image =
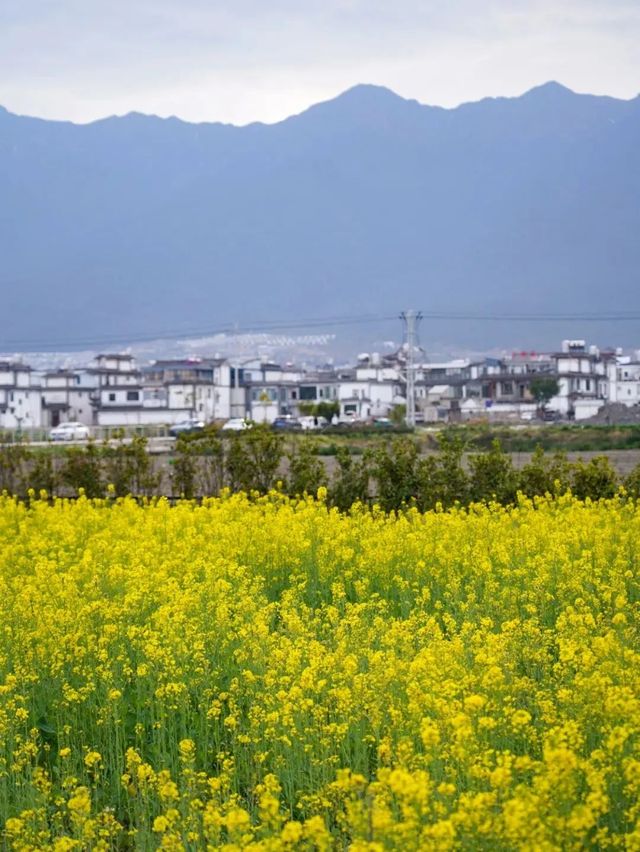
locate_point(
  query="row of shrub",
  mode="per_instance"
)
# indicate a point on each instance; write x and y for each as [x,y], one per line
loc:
[126,466]
[575,437]
[393,474]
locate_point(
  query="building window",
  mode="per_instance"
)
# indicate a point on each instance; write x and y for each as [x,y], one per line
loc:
[587,384]
[112,397]
[155,393]
[133,396]
[264,395]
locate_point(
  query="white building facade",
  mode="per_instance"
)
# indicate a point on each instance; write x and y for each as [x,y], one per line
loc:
[20,399]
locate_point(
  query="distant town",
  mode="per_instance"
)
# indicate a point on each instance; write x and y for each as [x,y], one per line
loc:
[114,390]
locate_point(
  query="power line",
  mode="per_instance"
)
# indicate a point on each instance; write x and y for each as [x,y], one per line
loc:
[272,326]
[259,327]
[626,317]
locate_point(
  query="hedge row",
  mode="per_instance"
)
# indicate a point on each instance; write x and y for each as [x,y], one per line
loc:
[393,475]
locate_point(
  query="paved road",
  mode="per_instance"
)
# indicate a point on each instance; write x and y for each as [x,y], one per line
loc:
[154,445]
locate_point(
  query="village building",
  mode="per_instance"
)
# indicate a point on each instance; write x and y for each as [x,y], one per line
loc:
[115,391]
[623,375]
[20,400]
[67,395]
[582,379]
[183,388]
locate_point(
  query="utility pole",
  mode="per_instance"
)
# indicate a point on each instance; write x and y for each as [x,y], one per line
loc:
[411,320]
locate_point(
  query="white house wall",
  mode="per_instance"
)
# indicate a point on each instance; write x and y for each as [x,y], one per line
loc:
[141,417]
[23,409]
[624,382]
[264,412]
[114,397]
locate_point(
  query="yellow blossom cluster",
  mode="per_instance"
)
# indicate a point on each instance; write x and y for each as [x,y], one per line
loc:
[270,674]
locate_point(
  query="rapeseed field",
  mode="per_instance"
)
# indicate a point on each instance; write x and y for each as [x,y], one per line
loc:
[270,674]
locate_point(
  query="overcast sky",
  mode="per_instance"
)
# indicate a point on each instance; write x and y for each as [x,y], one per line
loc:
[245,60]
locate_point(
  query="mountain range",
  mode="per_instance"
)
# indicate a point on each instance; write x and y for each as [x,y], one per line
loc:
[361,206]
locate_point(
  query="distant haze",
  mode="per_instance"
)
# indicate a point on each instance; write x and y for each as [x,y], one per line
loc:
[358,207]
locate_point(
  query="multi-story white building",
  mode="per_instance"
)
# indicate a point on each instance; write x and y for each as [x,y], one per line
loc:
[363,394]
[67,395]
[262,390]
[581,373]
[117,394]
[20,401]
[192,387]
[623,373]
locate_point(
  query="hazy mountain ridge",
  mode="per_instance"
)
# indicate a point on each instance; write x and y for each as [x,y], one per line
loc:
[367,202]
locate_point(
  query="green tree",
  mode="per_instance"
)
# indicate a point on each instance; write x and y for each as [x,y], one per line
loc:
[445,480]
[116,464]
[595,479]
[545,474]
[211,466]
[395,471]
[492,476]
[307,471]
[14,459]
[543,388]
[82,469]
[254,458]
[128,467]
[145,479]
[350,481]
[185,468]
[42,474]
[632,482]
[327,409]
[398,414]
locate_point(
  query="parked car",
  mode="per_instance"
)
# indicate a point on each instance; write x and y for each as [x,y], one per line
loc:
[382,423]
[185,427]
[236,424]
[312,421]
[71,430]
[286,424]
